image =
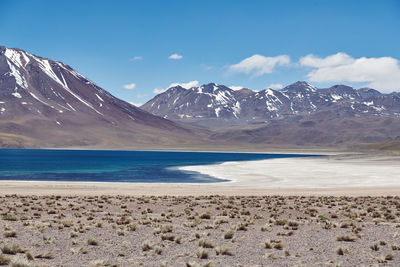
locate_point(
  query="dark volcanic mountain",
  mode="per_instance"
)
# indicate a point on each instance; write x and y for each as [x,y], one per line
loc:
[299,114]
[44,103]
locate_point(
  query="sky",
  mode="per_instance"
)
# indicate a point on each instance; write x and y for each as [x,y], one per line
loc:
[136,49]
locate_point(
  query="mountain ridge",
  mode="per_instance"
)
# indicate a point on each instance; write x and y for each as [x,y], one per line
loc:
[234,107]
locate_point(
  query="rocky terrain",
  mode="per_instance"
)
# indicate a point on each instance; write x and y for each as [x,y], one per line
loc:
[199,231]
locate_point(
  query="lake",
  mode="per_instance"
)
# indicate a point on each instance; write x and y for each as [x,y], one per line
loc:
[115,166]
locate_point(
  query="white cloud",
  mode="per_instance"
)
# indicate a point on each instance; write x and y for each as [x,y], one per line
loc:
[130,86]
[206,67]
[259,64]
[136,104]
[175,56]
[381,73]
[332,60]
[275,86]
[159,91]
[187,85]
[236,88]
[136,58]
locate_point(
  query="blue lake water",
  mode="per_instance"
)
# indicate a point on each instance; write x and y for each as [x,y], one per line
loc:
[114,166]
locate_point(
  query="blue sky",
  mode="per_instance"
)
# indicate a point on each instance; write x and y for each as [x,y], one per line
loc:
[237,43]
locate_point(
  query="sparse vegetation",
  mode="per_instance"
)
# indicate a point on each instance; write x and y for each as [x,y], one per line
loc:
[219,228]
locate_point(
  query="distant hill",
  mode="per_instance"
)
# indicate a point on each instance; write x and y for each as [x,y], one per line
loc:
[393,145]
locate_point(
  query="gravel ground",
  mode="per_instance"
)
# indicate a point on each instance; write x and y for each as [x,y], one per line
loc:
[199,231]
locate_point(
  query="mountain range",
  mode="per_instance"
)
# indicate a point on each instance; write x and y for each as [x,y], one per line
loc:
[219,105]
[297,115]
[46,103]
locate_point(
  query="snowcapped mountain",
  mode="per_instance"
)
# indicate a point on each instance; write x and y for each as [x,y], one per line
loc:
[47,103]
[213,104]
[206,101]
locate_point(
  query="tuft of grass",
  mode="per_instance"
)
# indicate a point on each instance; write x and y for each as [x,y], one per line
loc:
[267,245]
[264,228]
[11,249]
[92,242]
[10,233]
[158,250]
[101,263]
[9,217]
[167,229]
[205,244]
[18,262]
[195,264]
[229,234]
[47,256]
[279,246]
[342,251]
[389,257]
[4,260]
[241,227]
[169,237]
[73,234]
[132,227]
[223,251]
[29,256]
[206,216]
[202,254]
[146,245]
[374,247]
[272,256]
[346,238]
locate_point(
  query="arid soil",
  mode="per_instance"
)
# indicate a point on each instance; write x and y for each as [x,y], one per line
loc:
[199,231]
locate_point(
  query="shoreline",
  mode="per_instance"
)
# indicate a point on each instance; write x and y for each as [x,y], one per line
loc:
[42,188]
[244,150]
[247,179]
[320,172]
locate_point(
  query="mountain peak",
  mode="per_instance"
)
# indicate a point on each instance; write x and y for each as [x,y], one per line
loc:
[300,85]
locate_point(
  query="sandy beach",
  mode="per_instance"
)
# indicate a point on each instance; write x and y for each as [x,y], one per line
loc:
[352,175]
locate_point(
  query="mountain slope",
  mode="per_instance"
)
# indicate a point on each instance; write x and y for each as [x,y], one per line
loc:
[322,129]
[392,145]
[44,103]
